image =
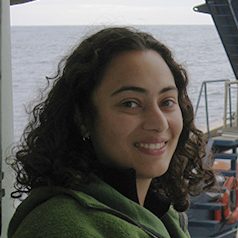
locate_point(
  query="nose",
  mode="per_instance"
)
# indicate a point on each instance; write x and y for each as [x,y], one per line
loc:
[155,120]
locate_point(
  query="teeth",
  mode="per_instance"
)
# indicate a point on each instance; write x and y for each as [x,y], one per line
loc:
[151,146]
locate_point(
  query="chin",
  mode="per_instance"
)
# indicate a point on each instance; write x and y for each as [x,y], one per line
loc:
[153,174]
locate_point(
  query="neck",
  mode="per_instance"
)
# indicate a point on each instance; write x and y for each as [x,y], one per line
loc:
[142,186]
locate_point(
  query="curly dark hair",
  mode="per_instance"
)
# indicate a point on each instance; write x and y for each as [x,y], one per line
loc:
[52,150]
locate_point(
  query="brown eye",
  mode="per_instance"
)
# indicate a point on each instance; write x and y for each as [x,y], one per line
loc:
[168,103]
[130,104]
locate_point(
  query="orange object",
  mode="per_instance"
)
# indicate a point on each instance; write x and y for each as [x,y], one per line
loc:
[225,213]
[233,218]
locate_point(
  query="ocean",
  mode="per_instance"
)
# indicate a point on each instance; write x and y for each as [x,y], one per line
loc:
[36,51]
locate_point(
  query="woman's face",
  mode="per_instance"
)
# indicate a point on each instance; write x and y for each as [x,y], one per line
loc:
[138,120]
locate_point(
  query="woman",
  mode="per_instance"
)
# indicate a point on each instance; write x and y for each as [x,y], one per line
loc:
[112,151]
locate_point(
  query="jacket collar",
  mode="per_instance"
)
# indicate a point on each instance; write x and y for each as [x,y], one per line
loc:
[124,181]
[121,205]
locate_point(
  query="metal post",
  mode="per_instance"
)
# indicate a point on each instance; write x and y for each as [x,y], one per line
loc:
[6,113]
[225,104]
[1,173]
[230,104]
[206,106]
[199,98]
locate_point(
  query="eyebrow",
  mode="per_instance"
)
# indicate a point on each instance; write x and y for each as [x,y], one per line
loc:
[129,88]
[142,90]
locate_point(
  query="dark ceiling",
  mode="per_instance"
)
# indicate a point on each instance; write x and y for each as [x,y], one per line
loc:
[13,2]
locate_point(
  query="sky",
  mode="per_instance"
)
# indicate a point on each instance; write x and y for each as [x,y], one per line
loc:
[96,12]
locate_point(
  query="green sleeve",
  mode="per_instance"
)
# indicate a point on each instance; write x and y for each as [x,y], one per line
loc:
[58,217]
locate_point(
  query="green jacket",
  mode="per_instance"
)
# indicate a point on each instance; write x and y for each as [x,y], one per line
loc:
[97,211]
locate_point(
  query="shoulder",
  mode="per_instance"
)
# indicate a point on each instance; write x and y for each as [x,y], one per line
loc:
[56,217]
[70,215]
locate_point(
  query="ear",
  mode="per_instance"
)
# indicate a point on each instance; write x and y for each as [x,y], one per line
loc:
[80,123]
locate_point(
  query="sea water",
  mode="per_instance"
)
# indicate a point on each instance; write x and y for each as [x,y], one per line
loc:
[36,51]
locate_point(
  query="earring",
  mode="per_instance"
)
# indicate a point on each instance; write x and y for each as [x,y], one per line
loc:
[86,137]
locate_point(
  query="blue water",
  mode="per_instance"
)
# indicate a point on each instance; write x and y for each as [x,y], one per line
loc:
[36,52]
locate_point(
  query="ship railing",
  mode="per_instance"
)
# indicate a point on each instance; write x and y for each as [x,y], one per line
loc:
[231,89]
[204,89]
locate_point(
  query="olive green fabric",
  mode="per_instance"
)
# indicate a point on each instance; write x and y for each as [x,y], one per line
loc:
[97,211]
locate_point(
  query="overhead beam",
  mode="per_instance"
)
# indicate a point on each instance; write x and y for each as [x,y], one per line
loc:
[14,2]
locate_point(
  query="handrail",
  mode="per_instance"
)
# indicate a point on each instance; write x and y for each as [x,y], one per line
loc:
[228,98]
[204,87]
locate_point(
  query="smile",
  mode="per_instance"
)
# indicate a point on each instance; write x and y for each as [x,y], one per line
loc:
[154,149]
[151,146]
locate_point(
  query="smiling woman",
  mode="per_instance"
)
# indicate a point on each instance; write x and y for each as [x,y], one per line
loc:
[112,150]
[145,117]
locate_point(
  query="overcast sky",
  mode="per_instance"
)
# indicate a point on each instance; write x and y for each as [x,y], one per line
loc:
[80,12]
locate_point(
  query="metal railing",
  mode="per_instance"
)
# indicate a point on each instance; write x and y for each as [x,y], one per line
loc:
[232,119]
[204,88]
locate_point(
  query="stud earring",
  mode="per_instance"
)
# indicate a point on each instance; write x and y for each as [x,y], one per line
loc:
[86,137]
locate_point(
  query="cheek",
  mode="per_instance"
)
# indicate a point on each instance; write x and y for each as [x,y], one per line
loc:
[116,124]
[112,129]
[112,139]
[176,124]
